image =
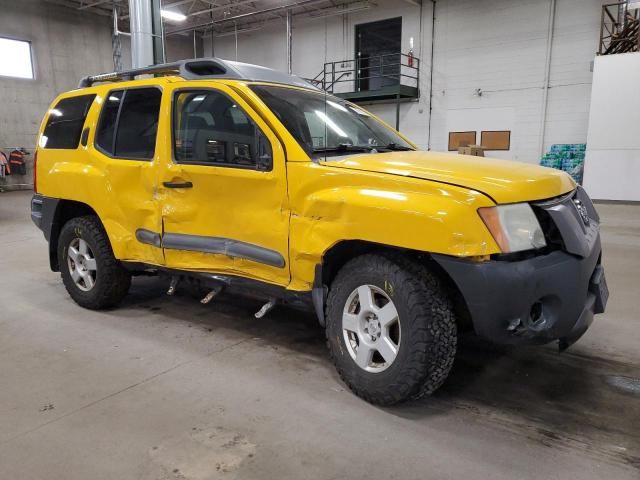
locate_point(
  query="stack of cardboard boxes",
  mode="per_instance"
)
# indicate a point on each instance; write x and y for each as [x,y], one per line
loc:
[475,150]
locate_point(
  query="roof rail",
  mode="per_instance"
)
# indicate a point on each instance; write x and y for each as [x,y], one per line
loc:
[203,68]
[165,68]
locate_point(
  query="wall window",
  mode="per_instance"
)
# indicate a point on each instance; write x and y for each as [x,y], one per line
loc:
[129,123]
[65,122]
[210,129]
[15,58]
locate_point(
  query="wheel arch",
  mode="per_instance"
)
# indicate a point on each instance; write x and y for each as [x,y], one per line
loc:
[344,251]
[65,211]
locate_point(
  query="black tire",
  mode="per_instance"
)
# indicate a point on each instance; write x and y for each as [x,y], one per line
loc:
[427,347]
[112,281]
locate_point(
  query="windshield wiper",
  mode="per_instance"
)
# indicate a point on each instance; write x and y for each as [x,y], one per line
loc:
[395,146]
[345,147]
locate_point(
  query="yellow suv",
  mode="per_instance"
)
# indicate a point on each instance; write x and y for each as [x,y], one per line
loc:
[239,177]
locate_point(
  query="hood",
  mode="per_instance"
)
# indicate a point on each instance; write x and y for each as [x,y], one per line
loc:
[503,180]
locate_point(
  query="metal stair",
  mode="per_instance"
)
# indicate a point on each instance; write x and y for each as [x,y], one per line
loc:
[619,29]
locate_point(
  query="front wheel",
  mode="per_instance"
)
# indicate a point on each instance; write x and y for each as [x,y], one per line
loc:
[90,272]
[391,329]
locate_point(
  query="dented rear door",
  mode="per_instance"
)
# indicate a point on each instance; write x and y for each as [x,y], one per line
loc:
[118,181]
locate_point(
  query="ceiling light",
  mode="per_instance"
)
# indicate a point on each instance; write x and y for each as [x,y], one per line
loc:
[173,16]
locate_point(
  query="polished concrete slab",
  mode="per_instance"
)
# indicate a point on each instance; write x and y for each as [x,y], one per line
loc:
[167,388]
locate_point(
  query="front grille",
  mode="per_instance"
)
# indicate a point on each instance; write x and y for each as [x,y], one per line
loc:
[551,232]
[563,225]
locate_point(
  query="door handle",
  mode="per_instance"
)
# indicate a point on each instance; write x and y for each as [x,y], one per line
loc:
[178,184]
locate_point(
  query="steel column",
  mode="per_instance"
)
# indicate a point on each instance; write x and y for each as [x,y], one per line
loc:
[141,25]
[159,47]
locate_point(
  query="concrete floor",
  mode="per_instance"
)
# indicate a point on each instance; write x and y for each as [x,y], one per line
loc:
[167,388]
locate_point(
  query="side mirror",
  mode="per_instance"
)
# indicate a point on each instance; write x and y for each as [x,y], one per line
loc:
[264,162]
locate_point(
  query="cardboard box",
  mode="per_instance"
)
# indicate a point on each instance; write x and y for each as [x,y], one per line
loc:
[475,150]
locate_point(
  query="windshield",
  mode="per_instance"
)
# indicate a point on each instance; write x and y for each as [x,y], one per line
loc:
[325,125]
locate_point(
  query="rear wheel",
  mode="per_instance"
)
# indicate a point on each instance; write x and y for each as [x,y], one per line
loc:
[90,272]
[391,329]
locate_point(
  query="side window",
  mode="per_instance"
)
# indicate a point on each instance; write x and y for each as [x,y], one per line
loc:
[65,122]
[210,129]
[129,123]
[107,126]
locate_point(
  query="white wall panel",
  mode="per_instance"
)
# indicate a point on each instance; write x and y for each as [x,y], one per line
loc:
[612,164]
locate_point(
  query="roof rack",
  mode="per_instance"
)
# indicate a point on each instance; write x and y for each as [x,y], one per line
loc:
[203,68]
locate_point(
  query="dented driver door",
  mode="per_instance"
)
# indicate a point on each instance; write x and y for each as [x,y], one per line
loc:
[223,190]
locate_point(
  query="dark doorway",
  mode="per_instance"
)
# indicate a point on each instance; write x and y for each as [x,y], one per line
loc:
[378,48]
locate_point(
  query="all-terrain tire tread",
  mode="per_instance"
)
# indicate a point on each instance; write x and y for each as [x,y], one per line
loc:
[430,323]
[114,280]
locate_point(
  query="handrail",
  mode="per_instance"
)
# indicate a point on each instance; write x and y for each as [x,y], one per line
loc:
[405,69]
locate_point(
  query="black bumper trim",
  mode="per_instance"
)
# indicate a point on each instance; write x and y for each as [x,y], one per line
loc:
[43,212]
[36,210]
[533,301]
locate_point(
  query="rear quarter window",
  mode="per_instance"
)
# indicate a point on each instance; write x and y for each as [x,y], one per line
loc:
[65,122]
[129,123]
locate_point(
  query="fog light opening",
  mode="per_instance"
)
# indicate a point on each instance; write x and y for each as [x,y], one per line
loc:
[536,317]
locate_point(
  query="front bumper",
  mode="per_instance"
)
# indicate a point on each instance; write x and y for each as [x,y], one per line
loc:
[542,298]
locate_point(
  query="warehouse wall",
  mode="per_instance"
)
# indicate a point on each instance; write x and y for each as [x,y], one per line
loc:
[331,39]
[498,46]
[66,45]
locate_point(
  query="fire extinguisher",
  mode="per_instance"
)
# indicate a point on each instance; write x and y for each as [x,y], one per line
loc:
[410,58]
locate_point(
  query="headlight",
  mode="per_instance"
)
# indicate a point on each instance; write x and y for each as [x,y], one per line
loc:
[514,227]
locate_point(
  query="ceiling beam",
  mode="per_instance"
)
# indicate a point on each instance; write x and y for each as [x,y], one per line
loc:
[244,15]
[74,5]
[329,9]
[223,7]
[214,8]
[331,13]
[94,4]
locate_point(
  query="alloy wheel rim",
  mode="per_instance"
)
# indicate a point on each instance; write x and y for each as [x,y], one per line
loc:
[82,264]
[371,328]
